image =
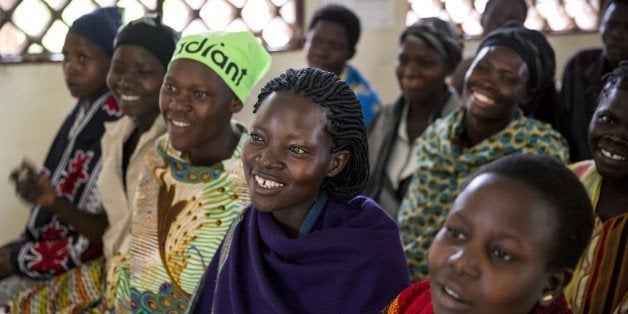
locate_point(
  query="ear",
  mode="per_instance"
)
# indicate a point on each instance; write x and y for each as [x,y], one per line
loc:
[338,162]
[554,287]
[236,105]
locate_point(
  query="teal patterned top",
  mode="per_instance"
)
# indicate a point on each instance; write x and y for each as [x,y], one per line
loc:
[444,165]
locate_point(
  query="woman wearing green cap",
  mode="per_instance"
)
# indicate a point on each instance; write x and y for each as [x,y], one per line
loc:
[193,184]
[513,65]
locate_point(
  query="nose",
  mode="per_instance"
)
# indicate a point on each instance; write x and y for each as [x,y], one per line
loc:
[464,263]
[267,159]
[70,67]
[619,137]
[127,79]
[180,102]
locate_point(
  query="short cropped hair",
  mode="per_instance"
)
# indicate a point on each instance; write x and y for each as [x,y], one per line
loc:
[344,123]
[521,3]
[560,187]
[341,15]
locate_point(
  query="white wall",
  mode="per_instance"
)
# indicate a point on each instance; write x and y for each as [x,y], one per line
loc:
[34,99]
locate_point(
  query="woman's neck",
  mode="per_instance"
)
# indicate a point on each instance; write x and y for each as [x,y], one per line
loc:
[477,130]
[216,150]
[613,199]
[144,123]
[421,114]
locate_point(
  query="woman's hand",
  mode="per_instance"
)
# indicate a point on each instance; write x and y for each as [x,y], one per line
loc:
[32,185]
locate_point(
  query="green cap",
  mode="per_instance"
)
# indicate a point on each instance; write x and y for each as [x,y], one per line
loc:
[237,57]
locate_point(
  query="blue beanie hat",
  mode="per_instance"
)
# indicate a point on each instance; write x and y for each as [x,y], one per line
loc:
[99,26]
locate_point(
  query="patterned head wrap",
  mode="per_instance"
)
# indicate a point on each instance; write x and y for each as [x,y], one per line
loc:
[237,57]
[149,33]
[439,35]
[99,26]
[531,46]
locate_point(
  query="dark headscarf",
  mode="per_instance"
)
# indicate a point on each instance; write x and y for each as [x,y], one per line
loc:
[531,46]
[439,35]
[149,33]
[99,26]
[341,15]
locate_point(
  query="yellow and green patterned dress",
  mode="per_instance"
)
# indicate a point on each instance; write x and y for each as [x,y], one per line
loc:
[181,215]
[444,164]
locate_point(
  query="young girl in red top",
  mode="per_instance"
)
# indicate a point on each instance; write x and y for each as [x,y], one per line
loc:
[509,244]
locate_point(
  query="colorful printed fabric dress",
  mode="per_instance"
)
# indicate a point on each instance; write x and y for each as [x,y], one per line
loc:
[181,215]
[443,165]
[600,280]
[51,249]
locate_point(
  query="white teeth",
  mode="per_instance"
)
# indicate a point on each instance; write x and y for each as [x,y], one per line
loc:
[268,184]
[129,97]
[483,98]
[451,293]
[180,124]
[612,156]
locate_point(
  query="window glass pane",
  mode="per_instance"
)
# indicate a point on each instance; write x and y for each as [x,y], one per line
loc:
[545,15]
[256,14]
[32,17]
[12,40]
[39,26]
[217,14]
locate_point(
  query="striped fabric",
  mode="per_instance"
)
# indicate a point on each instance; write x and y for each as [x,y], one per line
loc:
[600,281]
[181,214]
[75,291]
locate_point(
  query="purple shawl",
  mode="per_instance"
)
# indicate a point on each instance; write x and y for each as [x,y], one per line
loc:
[351,261]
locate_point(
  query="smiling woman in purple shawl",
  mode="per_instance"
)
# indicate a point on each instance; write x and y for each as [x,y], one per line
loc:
[308,243]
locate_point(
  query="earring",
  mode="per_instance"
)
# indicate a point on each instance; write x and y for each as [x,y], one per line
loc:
[547,298]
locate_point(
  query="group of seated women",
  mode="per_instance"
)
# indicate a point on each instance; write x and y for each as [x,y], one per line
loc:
[442,203]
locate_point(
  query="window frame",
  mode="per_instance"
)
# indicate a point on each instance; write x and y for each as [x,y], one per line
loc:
[295,43]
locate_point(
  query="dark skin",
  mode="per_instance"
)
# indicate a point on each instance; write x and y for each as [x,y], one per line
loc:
[496,84]
[288,157]
[197,106]
[494,16]
[35,188]
[421,73]
[85,66]
[135,78]
[608,139]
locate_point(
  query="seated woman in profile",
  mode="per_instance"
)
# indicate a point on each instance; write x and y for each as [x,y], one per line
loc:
[509,244]
[308,243]
[600,281]
[512,64]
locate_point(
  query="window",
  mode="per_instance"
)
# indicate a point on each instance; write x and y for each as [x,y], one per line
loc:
[34,30]
[554,16]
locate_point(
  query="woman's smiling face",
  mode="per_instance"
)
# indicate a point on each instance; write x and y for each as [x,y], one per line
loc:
[135,78]
[288,156]
[608,134]
[495,84]
[197,106]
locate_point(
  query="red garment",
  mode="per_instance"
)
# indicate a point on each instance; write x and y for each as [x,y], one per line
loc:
[417,299]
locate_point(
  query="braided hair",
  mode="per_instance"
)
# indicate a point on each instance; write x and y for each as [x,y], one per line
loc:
[344,123]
